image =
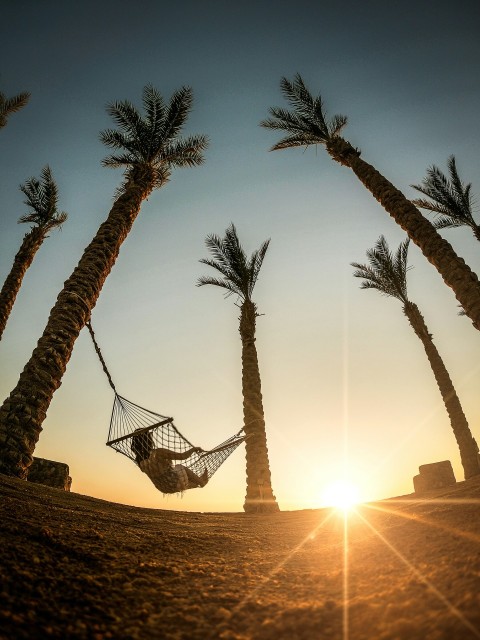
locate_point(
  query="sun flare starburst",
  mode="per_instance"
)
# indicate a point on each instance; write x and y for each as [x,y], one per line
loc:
[341,494]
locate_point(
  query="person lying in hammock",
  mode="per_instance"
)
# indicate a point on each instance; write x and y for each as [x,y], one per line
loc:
[157,464]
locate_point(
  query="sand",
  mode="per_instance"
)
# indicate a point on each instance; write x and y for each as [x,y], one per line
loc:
[78,567]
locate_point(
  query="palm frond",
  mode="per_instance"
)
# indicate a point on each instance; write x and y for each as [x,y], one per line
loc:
[225,258]
[449,196]
[42,198]
[186,152]
[297,94]
[151,126]
[215,246]
[28,218]
[297,125]
[446,222]
[336,125]
[50,189]
[371,277]
[178,110]
[155,109]
[153,139]
[282,119]
[400,262]
[120,160]
[229,259]
[229,274]
[255,264]
[12,105]
[454,177]
[307,122]
[223,284]
[15,103]
[298,140]
[60,218]
[32,189]
[126,117]
[237,259]
[133,132]
[386,271]
[428,205]
[115,139]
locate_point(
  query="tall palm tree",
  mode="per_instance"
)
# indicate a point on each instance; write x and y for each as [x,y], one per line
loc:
[11,105]
[307,124]
[451,199]
[388,274]
[239,276]
[148,147]
[42,198]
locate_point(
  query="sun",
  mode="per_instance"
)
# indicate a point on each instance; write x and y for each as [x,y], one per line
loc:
[341,494]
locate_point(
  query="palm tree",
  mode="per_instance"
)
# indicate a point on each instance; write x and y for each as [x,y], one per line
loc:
[388,274]
[11,105]
[307,124]
[239,276]
[451,199]
[42,198]
[147,147]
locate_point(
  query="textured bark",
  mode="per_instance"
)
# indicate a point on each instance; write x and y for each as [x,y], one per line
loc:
[24,258]
[465,440]
[24,411]
[259,498]
[455,273]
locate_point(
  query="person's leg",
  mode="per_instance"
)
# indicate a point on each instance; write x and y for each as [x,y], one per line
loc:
[197,481]
[204,478]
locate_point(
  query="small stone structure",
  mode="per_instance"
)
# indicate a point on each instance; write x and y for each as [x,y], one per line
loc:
[50,473]
[436,475]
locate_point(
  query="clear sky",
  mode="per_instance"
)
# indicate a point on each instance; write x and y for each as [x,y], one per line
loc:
[345,381]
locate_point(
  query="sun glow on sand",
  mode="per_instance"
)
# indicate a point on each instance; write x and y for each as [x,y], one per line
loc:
[341,494]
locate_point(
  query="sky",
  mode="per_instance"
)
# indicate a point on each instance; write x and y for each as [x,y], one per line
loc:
[346,385]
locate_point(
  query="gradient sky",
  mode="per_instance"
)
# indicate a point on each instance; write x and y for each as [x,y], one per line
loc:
[346,383]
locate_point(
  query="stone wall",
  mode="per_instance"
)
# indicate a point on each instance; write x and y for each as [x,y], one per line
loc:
[50,473]
[436,475]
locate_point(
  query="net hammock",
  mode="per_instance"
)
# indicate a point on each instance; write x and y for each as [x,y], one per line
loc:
[154,444]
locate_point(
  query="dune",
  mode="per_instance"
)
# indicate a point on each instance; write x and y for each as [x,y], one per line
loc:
[73,566]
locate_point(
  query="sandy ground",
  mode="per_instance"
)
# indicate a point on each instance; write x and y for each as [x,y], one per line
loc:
[77,567]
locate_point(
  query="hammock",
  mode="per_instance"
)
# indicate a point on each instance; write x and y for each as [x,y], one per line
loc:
[135,432]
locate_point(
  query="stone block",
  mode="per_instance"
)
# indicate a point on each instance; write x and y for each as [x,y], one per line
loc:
[50,473]
[435,475]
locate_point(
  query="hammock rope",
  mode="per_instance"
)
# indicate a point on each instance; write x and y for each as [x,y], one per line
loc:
[133,429]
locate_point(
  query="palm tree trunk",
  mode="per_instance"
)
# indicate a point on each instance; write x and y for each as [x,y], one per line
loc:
[455,273]
[31,243]
[465,440]
[259,498]
[23,412]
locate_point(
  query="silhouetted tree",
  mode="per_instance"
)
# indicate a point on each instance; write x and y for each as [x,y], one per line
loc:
[42,198]
[239,276]
[387,273]
[307,124]
[147,148]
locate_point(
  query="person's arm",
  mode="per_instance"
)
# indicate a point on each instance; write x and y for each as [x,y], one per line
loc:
[185,454]
[165,453]
[176,455]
